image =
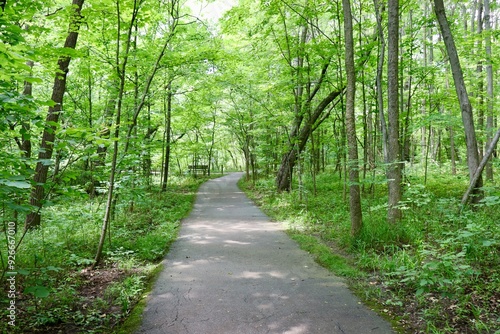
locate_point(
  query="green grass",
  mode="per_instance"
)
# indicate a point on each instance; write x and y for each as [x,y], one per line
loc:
[134,319]
[340,265]
[437,271]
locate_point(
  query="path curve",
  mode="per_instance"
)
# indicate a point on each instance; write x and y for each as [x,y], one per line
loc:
[233,271]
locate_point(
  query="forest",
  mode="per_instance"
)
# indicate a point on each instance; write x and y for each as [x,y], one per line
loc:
[368,127]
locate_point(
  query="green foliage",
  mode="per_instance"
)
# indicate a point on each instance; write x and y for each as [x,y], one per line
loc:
[126,293]
[51,261]
[321,252]
[436,267]
[233,96]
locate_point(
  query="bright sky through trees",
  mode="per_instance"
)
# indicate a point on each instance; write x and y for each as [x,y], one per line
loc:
[212,11]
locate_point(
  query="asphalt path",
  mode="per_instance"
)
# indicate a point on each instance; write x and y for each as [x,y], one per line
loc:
[233,271]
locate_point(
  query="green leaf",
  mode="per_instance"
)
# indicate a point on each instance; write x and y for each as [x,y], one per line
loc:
[52,268]
[45,162]
[18,184]
[38,291]
[488,243]
[23,272]
[33,80]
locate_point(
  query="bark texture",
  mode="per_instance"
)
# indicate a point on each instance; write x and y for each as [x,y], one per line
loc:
[393,151]
[353,164]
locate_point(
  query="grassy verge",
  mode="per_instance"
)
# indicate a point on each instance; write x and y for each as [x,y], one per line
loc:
[436,272]
[55,290]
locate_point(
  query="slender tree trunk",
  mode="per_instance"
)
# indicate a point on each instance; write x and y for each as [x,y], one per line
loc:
[314,163]
[353,163]
[168,139]
[25,138]
[479,69]
[452,151]
[121,72]
[489,85]
[174,22]
[367,117]
[463,97]
[393,151]
[380,89]
[49,134]
[212,143]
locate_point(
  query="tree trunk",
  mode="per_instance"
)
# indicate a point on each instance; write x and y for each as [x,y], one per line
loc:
[353,163]
[489,85]
[174,17]
[168,139]
[284,176]
[121,71]
[453,155]
[477,173]
[380,89]
[33,219]
[463,97]
[393,151]
[212,143]
[25,138]
[479,69]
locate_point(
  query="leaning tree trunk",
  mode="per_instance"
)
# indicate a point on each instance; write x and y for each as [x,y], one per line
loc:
[49,134]
[480,168]
[302,130]
[284,176]
[463,97]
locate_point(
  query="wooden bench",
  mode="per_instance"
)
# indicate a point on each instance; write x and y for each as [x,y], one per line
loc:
[196,168]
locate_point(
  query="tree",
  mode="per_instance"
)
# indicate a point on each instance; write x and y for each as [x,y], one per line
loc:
[353,164]
[489,84]
[121,68]
[51,122]
[167,106]
[380,71]
[393,150]
[463,97]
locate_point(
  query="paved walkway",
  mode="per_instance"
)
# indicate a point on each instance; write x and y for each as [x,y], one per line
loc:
[233,271]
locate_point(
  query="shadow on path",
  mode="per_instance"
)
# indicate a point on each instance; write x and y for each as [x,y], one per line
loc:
[233,271]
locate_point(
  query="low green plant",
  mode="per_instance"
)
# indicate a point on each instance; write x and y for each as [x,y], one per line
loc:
[127,292]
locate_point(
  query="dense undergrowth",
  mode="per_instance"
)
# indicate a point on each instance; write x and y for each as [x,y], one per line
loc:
[437,271]
[56,292]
